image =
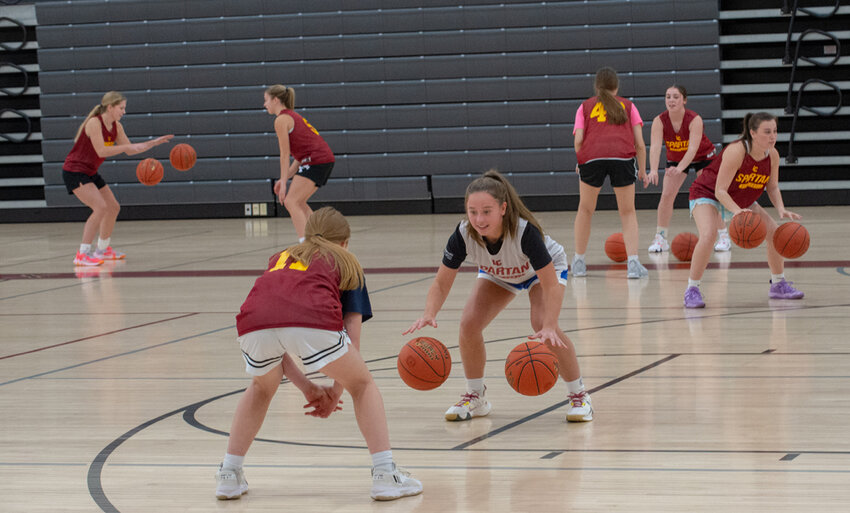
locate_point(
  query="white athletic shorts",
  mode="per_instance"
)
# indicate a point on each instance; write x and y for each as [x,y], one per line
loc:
[263,349]
[516,288]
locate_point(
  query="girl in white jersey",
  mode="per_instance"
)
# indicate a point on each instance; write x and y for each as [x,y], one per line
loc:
[503,238]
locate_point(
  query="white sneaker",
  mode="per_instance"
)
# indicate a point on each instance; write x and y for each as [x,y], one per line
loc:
[636,270]
[723,242]
[659,244]
[388,486]
[581,409]
[470,405]
[231,483]
[578,268]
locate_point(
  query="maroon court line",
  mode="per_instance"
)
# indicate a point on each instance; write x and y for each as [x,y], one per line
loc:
[96,336]
[413,270]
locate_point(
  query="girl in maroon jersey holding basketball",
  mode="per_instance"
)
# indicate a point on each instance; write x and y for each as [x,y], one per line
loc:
[100,136]
[310,303]
[312,158]
[681,131]
[731,184]
[608,142]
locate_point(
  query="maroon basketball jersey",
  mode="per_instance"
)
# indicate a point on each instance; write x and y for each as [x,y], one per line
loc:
[83,158]
[291,294]
[677,142]
[603,140]
[305,143]
[747,184]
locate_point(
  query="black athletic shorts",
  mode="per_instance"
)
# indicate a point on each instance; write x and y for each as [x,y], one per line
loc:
[74,180]
[319,173]
[694,166]
[621,172]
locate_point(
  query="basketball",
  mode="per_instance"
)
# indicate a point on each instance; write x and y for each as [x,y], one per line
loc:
[149,171]
[183,157]
[747,230]
[531,369]
[683,246]
[791,240]
[424,363]
[615,248]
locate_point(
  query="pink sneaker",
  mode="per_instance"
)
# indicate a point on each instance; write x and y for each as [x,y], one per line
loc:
[86,260]
[109,254]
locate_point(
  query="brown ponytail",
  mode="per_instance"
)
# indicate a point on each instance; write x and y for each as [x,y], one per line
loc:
[286,95]
[495,184]
[605,84]
[753,122]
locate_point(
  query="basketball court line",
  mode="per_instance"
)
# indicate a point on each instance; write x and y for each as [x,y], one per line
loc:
[162,273]
[96,336]
[95,485]
[141,243]
[134,351]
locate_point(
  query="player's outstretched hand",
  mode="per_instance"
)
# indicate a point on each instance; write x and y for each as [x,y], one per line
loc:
[549,336]
[790,215]
[420,323]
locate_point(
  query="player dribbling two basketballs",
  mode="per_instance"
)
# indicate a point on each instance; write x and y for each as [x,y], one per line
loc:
[513,254]
[731,184]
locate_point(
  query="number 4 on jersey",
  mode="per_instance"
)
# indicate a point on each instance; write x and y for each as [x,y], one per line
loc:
[599,112]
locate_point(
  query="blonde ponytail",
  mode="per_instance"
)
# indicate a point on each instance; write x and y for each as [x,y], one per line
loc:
[324,234]
[110,98]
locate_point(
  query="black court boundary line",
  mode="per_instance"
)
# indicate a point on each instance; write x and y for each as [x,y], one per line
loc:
[98,335]
[96,468]
[94,476]
[555,406]
[117,355]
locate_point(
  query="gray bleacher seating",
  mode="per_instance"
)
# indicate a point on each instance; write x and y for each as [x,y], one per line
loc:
[407,93]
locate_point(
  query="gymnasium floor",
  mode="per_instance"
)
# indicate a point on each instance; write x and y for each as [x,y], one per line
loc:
[118,385]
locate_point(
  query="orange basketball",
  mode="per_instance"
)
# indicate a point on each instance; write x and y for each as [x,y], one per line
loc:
[149,171]
[683,246]
[424,363]
[747,230]
[183,157]
[791,240]
[531,369]
[615,248]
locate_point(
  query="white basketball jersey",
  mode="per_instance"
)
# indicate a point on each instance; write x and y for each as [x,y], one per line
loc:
[510,264]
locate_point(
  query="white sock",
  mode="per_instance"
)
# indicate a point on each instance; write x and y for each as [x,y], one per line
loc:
[85,248]
[475,385]
[102,244]
[693,283]
[776,278]
[233,461]
[300,240]
[722,231]
[661,230]
[579,257]
[383,460]
[634,258]
[575,386]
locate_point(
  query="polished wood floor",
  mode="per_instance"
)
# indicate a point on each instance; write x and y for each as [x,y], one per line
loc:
[117,385]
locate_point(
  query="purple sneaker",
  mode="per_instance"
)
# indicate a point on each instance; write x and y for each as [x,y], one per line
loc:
[693,298]
[783,290]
